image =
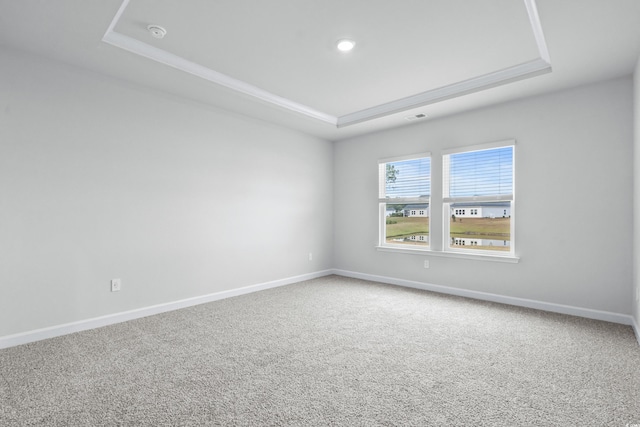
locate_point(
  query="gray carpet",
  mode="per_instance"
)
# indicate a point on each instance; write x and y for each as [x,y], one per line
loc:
[330,351]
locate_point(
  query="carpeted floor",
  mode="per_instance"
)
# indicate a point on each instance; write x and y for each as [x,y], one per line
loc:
[330,351]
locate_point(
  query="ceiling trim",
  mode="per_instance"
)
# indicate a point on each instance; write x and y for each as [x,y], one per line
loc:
[525,70]
[465,87]
[146,50]
[536,27]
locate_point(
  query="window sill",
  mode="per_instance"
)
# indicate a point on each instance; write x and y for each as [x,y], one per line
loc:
[428,252]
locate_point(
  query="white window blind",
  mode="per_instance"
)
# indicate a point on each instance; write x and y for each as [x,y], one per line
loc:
[478,175]
[405,180]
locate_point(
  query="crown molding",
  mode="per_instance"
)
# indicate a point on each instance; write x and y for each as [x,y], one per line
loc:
[162,56]
[465,87]
[538,66]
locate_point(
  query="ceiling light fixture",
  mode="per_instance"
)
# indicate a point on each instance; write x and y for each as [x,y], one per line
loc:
[157,31]
[345,45]
[540,65]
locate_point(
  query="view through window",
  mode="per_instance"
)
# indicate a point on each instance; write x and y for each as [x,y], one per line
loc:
[478,199]
[405,189]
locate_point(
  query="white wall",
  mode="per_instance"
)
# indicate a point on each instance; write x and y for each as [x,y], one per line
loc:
[636,197]
[101,180]
[574,150]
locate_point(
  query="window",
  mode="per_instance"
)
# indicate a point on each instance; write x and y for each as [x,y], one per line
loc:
[480,177]
[404,197]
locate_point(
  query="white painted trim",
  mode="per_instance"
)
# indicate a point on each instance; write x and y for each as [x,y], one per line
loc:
[110,319]
[97,322]
[502,299]
[536,27]
[449,254]
[475,84]
[116,18]
[636,328]
[525,70]
[480,147]
[405,157]
[162,56]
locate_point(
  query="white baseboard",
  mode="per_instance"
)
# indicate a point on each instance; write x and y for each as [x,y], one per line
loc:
[97,322]
[521,302]
[636,328]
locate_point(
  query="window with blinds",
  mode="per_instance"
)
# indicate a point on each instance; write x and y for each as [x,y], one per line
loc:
[404,199]
[478,198]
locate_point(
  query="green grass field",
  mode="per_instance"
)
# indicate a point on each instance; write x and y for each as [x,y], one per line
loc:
[489,228]
[407,226]
[482,228]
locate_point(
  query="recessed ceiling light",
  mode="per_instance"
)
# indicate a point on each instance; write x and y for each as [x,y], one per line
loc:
[157,31]
[345,45]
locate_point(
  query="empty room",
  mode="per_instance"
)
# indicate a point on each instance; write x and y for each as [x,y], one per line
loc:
[300,213]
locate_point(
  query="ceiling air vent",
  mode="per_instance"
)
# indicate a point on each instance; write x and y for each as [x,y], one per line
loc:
[418,116]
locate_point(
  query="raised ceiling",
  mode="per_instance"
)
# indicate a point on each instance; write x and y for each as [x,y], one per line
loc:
[284,52]
[276,60]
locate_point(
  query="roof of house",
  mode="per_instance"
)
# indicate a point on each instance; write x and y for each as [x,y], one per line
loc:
[481,205]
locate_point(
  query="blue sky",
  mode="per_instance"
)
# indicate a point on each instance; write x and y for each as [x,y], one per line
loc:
[476,173]
[481,173]
[413,178]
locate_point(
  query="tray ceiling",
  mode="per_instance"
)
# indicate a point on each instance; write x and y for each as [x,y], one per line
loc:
[407,54]
[275,60]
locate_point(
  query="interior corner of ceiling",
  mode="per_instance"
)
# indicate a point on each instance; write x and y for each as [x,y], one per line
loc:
[459,88]
[116,18]
[536,28]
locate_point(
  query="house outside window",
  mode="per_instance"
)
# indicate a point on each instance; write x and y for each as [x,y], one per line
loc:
[404,198]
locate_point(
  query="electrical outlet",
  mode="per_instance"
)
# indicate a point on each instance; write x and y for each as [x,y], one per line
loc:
[116,285]
[426,263]
[310,256]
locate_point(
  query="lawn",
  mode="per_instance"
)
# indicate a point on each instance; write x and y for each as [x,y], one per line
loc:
[407,226]
[490,228]
[482,228]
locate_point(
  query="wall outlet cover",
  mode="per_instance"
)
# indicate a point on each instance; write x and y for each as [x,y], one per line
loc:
[116,285]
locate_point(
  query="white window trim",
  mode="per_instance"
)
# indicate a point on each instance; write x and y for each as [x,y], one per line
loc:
[382,202]
[447,201]
[479,147]
[446,252]
[512,259]
[402,158]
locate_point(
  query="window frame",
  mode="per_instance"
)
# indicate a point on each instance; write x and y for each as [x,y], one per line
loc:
[447,201]
[384,201]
